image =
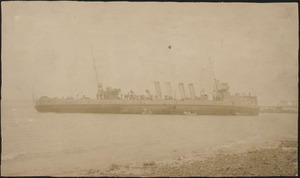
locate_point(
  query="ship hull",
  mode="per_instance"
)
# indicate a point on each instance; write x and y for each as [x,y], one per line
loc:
[148,109]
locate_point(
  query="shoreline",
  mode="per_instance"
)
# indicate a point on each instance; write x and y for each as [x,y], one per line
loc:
[277,161]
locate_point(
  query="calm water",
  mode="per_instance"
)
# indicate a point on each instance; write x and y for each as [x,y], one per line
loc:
[49,143]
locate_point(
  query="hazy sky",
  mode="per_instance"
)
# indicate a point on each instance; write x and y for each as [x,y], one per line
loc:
[46,47]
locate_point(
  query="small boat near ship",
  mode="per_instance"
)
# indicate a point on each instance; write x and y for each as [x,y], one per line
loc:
[189,113]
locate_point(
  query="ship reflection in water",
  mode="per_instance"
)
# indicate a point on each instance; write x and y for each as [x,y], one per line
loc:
[112,101]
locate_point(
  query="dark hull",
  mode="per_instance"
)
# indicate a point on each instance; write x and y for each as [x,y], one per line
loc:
[149,109]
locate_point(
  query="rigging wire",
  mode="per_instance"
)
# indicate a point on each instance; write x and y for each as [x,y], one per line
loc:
[95,66]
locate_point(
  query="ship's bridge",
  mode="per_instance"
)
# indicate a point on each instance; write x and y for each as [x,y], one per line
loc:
[221,91]
[109,93]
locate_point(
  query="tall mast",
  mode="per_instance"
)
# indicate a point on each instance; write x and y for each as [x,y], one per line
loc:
[95,66]
[32,86]
[212,71]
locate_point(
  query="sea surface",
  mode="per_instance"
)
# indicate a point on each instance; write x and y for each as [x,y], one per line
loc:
[52,144]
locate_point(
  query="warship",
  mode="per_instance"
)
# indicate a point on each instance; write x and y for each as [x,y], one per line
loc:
[110,100]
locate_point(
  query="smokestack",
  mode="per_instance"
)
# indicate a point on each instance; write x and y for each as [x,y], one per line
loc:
[182,91]
[169,89]
[192,91]
[158,90]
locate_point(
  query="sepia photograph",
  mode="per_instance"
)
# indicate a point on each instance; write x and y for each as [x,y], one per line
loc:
[149,89]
